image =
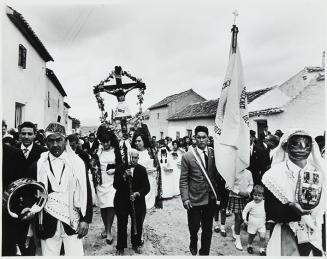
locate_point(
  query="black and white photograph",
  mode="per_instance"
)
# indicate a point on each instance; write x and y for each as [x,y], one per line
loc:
[163,128]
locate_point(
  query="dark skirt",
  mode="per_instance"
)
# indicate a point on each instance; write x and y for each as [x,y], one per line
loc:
[236,205]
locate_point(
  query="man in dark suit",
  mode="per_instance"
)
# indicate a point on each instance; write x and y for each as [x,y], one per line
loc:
[92,145]
[257,165]
[73,142]
[31,152]
[122,202]
[199,190]
[12,169]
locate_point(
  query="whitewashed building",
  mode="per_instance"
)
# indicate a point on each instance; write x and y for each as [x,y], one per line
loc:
[157,119]
[29,90]
[298,102]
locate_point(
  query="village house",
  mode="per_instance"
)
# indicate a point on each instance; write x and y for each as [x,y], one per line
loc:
[30,91]
[157,119]
[299,102]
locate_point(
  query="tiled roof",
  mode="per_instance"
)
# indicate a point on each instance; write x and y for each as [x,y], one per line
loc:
[53,78]
[22,25]
[208,109]
[173,97]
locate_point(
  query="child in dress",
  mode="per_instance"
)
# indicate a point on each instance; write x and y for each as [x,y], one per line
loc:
[238,197]
[255,211]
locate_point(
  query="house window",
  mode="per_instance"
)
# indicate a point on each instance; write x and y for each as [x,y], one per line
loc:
[158,115]
[48,99]
[22,56]
[178,134]
[59,118]
[18,114]
[161,134]
[189,133]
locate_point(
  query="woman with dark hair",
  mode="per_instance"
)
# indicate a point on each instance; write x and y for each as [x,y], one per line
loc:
[142,144]
[107,158]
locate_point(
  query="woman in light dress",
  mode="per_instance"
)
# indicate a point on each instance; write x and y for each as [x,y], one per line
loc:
[142,144]
[109,157]
[170,166]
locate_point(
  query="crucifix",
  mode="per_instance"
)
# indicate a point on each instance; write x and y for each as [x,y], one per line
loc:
[122,111]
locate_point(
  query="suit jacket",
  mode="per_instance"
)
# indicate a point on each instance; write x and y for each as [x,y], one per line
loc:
[257,164]
[92,149]
[140,183]
[33,156]
[193,184]
[84,156]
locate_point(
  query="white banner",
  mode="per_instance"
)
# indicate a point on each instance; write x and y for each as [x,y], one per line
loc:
[232,136]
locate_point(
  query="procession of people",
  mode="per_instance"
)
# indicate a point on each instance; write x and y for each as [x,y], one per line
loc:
[265,197]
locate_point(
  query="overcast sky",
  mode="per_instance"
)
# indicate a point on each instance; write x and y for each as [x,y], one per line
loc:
[173,45]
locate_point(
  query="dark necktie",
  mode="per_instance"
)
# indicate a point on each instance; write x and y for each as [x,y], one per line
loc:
[206,158]
[25,151]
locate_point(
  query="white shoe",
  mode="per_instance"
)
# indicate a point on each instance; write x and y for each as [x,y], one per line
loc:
[233,232]
[238,245]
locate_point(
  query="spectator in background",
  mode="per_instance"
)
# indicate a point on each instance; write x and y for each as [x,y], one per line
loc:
[8,140]
[193,140]
[4,129]
[73,142]
[187,143]
[279,133]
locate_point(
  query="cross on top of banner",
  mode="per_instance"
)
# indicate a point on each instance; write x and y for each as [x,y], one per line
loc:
[235,13]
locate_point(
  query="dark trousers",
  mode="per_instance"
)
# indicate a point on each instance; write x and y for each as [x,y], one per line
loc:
[201,215]
[305,249]
[122,221]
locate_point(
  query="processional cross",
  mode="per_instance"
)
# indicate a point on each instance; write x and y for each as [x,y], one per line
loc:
[120,90]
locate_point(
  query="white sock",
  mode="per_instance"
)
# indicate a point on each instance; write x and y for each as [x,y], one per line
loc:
[238,238]
[222,227]
[262,249]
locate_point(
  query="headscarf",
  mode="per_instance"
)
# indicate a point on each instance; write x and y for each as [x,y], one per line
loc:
[315,157]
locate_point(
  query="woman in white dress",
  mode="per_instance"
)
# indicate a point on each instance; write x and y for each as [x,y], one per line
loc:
[108,157]
[142,144]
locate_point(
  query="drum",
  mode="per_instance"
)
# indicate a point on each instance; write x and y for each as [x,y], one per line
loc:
[309,188]
[24,193]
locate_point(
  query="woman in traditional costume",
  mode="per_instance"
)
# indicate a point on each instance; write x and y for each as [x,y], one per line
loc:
[298,216]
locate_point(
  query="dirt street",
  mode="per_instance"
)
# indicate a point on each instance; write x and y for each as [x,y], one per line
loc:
[166,233]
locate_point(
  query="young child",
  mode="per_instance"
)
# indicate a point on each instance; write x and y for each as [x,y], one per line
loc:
[256,219]
[238,198]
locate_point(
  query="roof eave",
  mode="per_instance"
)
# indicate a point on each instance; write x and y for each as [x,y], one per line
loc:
[18,20]
[157,107]
[53,78]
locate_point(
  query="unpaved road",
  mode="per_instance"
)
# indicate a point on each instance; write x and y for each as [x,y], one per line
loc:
[166,233]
